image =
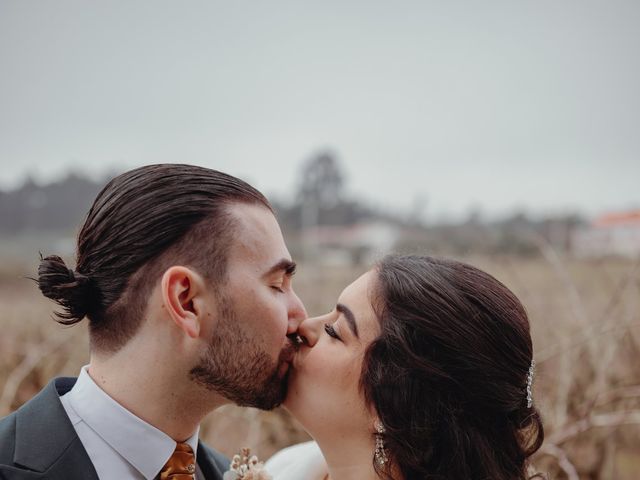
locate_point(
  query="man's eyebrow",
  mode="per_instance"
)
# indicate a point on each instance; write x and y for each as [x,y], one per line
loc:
[351,319]
[285,265]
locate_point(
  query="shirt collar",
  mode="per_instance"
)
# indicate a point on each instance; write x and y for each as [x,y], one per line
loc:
[141,444]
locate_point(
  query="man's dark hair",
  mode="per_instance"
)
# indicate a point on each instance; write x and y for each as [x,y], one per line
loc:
[448,372]
[142,222]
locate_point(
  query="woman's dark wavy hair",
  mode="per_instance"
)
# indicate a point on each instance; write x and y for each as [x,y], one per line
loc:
[141,223]
[448,373]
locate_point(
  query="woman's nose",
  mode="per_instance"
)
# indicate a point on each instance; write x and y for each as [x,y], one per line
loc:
[311,329]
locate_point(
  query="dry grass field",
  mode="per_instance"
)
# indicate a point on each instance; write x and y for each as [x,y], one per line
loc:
[585,318]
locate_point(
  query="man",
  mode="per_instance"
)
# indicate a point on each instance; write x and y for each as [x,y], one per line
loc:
[185,280]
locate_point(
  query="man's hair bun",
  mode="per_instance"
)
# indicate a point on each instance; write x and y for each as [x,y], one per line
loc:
[72,290]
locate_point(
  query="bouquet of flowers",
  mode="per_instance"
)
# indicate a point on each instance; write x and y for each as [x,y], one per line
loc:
[245,466]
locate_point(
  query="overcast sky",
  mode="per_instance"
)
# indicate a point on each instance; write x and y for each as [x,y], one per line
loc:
[494,104]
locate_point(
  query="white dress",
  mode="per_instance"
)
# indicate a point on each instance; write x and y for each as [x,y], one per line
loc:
[303,461]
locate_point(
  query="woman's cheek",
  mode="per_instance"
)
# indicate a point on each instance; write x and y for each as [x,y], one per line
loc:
[318,363]
[316,367]
[334,370]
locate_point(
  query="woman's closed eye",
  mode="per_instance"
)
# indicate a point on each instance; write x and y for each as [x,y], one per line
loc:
[331,331]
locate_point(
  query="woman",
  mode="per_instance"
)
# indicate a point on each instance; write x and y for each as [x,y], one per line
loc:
[422,371]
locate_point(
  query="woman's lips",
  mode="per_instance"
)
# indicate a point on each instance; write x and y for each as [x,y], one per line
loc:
[283,369]
[298,358]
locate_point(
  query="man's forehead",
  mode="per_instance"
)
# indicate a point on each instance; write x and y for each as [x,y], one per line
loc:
[257,234]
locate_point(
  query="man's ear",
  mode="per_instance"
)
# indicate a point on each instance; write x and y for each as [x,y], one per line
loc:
[183,292]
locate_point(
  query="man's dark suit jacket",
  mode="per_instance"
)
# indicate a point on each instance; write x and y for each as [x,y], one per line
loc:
[38,441]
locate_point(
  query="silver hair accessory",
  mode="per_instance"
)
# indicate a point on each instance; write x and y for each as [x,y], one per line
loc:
[380,453]
[530,375]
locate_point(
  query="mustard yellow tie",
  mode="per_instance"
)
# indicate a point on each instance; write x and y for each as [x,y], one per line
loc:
[181,465]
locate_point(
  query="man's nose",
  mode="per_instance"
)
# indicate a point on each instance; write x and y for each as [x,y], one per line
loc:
[296,312]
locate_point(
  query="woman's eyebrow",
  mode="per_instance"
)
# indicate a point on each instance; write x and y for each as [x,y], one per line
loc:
[351,319]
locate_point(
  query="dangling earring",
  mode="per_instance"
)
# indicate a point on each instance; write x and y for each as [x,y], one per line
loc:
[380,453]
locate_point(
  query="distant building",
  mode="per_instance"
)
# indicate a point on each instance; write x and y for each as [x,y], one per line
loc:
[611,234]
[361,243]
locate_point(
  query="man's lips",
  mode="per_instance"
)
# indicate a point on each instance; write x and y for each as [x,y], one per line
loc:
[298,358]
[288,353]
[291,353]
[284,368]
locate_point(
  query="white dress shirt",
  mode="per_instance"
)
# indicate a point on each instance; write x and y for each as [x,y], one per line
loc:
[120,445]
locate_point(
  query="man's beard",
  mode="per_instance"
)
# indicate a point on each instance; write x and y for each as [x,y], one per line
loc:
[235,367]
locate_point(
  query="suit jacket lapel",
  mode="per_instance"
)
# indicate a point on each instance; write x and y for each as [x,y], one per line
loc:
[48,447]
[212,466]
[46,442]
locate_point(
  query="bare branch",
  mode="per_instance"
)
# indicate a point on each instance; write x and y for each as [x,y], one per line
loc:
[24,368]
[563,461]
[613,419]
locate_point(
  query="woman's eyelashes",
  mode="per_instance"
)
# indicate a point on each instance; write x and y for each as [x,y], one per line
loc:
[331,331]
[277,288]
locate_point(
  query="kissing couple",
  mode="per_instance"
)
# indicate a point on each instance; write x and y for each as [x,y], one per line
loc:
[423,369]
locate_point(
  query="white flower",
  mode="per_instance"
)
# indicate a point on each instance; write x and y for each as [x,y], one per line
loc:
[245,466]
